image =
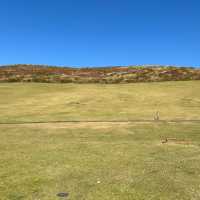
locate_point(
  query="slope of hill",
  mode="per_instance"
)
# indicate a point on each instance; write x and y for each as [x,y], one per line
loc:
[118,74]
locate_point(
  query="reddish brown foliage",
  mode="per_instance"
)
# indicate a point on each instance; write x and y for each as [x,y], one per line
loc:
[40,73]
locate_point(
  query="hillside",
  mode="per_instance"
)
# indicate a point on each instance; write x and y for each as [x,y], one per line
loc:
[118,74]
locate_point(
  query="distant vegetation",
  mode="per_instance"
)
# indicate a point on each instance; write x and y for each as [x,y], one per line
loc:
[118,74]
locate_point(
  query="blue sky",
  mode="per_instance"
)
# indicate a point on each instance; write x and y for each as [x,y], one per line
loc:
[100,32]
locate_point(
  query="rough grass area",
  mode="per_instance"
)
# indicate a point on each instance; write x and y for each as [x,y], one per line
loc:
[99,161]
[50,102]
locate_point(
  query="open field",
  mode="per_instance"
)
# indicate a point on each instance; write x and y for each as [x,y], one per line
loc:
[99,160]
[21,102]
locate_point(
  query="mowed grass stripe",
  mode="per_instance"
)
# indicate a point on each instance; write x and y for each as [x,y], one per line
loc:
[95,121]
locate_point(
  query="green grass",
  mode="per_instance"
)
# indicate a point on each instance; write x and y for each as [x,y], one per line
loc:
[95,161]
[129,161]
[50,102]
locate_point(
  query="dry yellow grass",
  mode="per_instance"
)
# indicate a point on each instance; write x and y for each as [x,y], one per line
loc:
[99,160]
[54,102]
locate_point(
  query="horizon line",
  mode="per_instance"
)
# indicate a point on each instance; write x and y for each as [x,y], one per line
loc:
[106,66]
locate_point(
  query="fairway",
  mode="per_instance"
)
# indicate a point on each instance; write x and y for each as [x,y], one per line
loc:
[28,102]
[102,159]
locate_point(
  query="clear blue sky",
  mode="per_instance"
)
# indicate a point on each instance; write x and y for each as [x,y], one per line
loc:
[100,32]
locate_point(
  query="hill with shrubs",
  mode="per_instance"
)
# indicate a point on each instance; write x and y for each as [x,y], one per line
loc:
[116,74]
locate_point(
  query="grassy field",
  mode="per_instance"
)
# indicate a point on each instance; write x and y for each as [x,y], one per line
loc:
[99,160]
[50,102]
